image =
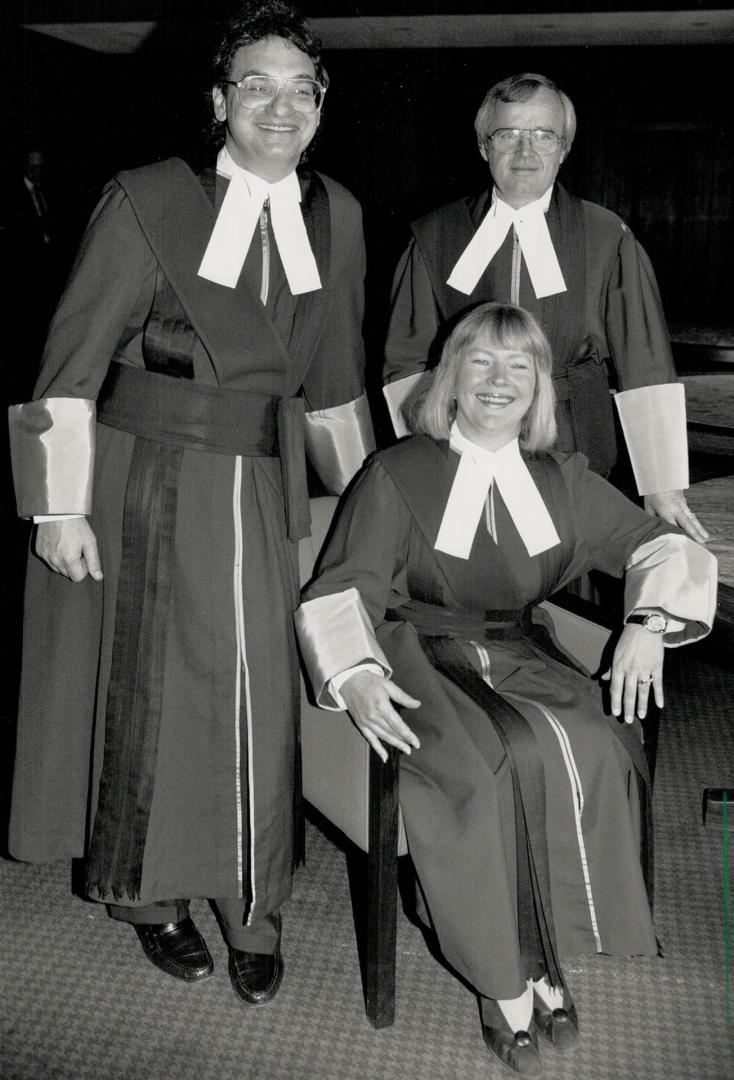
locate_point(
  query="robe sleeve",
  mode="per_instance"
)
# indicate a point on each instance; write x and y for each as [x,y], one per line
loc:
[106,299]
[637,334]
[361,573]
[52,437]
[664,570]
[639,348]
[339,432]
[411,332]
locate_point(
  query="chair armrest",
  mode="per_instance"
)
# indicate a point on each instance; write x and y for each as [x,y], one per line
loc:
[335,756]
[578,629]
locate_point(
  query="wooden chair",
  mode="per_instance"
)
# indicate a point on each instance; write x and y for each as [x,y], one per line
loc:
[349,786]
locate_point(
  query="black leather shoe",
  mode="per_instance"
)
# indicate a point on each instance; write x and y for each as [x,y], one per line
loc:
[255,977]
[516,1050]
[176,948]
[558,1026]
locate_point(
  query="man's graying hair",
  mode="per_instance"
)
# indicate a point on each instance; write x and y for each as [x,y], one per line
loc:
[521,88]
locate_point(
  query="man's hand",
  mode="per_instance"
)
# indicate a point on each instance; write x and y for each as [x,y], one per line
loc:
[636,666]
[69,547]
[369,697]
[672,506]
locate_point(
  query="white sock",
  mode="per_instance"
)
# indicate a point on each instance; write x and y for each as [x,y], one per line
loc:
[518,1012]
[552,996]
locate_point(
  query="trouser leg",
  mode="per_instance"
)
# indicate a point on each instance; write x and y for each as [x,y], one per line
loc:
[159,912]
[262,936]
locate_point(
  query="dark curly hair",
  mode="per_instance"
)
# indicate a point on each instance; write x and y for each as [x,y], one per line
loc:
[258,20]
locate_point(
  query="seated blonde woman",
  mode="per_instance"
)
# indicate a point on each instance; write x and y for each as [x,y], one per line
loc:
[526,804]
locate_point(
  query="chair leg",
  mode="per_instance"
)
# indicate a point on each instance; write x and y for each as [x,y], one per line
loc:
[651,731]
[382,889]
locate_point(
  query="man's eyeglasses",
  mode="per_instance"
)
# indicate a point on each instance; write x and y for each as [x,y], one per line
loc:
[253,91]
[505,140]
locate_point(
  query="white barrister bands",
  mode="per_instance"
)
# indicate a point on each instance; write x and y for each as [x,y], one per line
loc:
[653,420]
[535,242]
[478,469]
[236,222]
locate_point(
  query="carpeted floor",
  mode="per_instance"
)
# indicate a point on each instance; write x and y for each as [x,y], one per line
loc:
[81,1002]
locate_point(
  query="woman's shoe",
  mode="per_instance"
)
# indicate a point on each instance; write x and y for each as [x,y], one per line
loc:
[516,1050]
[558,1026]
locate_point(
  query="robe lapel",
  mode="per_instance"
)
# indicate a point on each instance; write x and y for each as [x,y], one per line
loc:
[228,321]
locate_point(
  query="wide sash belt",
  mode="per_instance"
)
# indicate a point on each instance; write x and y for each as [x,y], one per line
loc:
[430,620]
[220,420]
[181,412]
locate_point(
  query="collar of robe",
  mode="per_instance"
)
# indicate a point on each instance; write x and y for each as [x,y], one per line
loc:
[478,470]
[535,243]
[237,220]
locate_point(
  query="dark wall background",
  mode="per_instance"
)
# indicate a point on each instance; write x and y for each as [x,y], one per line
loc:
[655,140]
[655,143]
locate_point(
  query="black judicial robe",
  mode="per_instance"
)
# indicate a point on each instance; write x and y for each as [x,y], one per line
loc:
[611,315]
[220,819]
[455,791]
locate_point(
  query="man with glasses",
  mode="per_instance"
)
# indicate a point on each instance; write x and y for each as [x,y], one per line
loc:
[210,332]
[577,268]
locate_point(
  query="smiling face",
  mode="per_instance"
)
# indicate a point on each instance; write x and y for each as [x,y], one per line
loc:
[524,175]
[494,390]
[269,140]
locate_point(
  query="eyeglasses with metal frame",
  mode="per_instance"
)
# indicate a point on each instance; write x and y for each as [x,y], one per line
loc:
[254,91]
[543,140]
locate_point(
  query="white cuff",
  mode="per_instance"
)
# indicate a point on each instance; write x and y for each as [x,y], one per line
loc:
[335,634]
[52,449]
[677,577]
[338,440]
[653,420]
[396,394]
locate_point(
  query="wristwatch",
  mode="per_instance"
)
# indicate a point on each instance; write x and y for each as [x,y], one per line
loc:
[653,621]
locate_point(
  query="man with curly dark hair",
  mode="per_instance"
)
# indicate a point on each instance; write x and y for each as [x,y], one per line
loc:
[209,335]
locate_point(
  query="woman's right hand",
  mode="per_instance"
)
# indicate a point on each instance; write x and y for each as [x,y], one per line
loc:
[369,697]
[69,547]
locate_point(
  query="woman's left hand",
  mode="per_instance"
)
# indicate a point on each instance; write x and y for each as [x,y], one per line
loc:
[637,665]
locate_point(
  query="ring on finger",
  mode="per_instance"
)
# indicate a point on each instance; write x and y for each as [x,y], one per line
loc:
[644,682]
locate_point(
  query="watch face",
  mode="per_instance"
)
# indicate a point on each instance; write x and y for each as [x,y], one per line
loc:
[655,623]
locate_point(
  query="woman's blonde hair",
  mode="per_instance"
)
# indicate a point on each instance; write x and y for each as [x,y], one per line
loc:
[505,326]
